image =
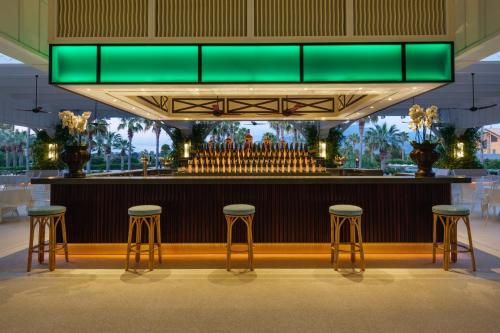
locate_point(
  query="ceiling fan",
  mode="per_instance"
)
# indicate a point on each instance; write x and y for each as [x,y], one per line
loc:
[37,108]
[474,108]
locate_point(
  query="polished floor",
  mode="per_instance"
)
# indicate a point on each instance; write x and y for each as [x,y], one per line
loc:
[286,293]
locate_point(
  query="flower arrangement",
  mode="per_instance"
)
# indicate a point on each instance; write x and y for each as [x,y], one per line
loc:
[76,125]
[422,121]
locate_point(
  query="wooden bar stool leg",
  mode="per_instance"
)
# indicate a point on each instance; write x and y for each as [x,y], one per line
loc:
[446,244]
[352,237]
[158,236]
[454,239]
[129,243]
[337,242]
[434,237]
[361,249]
[41,239]
[150,225]
[250,241]
[64,237]
[471,248]
[52,244]
[30,248]
[138,238]
[229,241]
[332,238]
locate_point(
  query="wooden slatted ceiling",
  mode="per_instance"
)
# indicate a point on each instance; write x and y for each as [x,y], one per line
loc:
[102,18]
[300,18]
[399,17]
[201,18]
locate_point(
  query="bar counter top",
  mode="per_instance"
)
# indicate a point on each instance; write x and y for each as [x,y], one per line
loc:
[271,179]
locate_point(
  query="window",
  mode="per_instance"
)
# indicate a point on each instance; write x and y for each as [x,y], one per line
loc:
[494,138]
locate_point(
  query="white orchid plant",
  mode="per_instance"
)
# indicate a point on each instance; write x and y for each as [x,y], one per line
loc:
[76,125]
[422,122]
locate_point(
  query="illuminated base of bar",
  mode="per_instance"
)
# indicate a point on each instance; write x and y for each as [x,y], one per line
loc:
[260,248]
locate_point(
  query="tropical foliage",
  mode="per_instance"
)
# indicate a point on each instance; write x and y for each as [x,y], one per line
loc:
[449,159]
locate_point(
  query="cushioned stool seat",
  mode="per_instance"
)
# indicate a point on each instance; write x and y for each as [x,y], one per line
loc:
[239,210]
[450,210]
[346,210]
[144,210]
[48,210]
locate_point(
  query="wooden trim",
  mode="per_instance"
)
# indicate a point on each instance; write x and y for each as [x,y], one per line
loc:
[260,248]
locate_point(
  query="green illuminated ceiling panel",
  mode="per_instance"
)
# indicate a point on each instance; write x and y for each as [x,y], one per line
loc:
[250,63]
[74,64]
[261,63]
[149,63]
[352,63]
[429,62]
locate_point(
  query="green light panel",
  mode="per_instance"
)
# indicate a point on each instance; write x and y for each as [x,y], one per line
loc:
[149,64]
[74,64]
[428,62]
[250,63]
[352,63]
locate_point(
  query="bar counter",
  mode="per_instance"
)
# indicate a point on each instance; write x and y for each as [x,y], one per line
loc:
[289,209]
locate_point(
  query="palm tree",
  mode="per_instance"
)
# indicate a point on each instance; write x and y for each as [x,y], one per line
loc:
[383,139]
[271,136]
[122,145]
[156,126]
[132,125]
[275,125]
[403,138]
[96,128]
[361,126]
[111,139]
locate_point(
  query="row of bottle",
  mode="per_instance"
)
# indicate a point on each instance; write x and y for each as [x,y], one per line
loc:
[254,165]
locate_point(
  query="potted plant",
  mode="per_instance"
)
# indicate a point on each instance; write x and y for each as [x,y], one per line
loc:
[424,145]
[75,153]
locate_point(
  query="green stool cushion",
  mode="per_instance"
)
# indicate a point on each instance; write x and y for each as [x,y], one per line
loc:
[239,210]
[144,210]
[346,210]
[450,210]
[47,210]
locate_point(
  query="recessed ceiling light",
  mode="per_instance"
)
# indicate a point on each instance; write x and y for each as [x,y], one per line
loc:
[88,89]
[372,107]
[196,89]
[133,108]
[114,99]
[306,88]
[414,88]
[389,99]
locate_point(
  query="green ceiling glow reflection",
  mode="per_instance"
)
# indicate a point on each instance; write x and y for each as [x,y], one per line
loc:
[352,63]
[74,64]
[251,63]
[428,62]
[149,63]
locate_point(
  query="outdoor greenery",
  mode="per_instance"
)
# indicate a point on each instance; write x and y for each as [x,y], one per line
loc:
[380,145]
[449,140]
[377,144]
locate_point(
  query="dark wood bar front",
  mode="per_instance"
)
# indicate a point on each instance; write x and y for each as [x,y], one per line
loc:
[288,209]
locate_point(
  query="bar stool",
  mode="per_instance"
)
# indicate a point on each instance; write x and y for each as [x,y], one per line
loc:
[234,213]
[339,214]
[150,216]
[449,216]
[50,216]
